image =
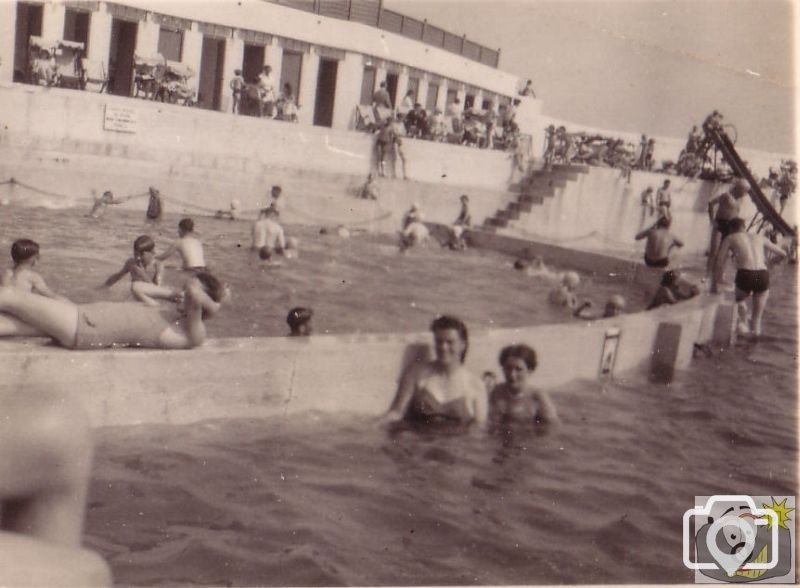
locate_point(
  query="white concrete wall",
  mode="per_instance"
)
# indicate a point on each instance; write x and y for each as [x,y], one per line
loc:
[260,377]
[53,17]
[8,25]
[600,210]
[100,36]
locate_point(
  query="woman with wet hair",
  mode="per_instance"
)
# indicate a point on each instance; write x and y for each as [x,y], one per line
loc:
[442,389]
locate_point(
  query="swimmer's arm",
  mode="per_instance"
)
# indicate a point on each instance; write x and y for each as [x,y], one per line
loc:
[546,411]
[39,286]
[281,239]
[676,243]
[116,277]
[405,391]
[480,406]
[159,273]
[643,233]
[774,248]
[580,312]
[711,202]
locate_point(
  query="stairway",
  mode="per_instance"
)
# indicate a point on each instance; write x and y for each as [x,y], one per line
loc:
[538,186]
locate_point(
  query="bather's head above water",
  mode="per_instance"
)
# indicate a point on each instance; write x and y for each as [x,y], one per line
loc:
[451,341]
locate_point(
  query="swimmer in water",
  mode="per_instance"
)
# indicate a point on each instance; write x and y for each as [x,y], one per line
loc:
[113,324]
[515,400]
[45,467]
[100,204]
[146,274]
[673,289]
[441,390]
[267,234]
[615,306]
[299,321]
[660,242]
[188,246]
[752,275]
[564,294]
[414,230]
[25,255]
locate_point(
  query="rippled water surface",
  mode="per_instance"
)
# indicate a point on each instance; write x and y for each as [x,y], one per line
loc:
[332,499]
[360,284]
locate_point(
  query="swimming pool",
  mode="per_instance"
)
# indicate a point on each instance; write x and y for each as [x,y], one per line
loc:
[331,499]
[361,284]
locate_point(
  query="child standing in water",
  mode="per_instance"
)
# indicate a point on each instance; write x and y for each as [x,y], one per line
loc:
[188,246]
[25,254]
[515,400]
[146,274]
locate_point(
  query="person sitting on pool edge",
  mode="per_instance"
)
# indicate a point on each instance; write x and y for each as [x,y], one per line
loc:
[45,465]
[414,230]
[113,324]
[515,399]
[441,390]
[25,255]
[299,321]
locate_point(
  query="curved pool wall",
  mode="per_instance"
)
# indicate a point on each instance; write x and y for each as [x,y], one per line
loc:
[54,141]
[261,377]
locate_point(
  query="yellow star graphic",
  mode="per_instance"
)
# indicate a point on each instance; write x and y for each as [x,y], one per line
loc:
[781,510]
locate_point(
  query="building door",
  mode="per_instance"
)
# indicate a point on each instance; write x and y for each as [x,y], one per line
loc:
[326,92]
[391,86]
[291,70]
[452,94]
[432,97]
[252,62]
[212,62]
[29,23]
[76,27]
[120,56]
[368,85]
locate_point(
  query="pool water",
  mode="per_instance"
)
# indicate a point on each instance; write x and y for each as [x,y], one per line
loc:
[361,284]
[332,499]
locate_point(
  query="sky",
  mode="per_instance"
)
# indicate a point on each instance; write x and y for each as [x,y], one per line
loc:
[650,66]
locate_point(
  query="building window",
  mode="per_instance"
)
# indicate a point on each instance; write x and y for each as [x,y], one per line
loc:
[76,27]
[291,70]
[170,44]
[469,101]
[452,94]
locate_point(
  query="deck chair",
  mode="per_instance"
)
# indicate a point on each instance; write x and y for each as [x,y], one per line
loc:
[365,118]
[95,77]
[68,65]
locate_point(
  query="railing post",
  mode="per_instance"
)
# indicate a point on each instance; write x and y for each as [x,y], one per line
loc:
[424,25]
[349,9]
[497,61]
[463,40]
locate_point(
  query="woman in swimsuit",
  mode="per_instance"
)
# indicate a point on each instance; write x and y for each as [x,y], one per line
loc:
[442,390]
[515,400]
[113,324]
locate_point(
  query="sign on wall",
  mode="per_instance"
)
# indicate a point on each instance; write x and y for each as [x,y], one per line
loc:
[121,119]
[609,355]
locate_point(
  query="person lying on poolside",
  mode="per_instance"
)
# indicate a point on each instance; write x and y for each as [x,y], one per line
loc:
[45,463]
[515,400]
[113,324]
[441,390]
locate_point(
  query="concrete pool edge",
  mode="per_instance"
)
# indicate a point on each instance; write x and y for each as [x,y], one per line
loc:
[263,377]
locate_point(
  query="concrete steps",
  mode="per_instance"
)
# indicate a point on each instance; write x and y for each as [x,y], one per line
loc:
[539,186]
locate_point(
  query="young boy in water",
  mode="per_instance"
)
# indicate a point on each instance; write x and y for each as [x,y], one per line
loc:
[299,321]
[188,246]
[146,274]
[515,400]
[25,254]
[564,294]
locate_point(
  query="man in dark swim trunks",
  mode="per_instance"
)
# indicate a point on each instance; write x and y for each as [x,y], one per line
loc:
[727,208]
[659,243]
[752,275]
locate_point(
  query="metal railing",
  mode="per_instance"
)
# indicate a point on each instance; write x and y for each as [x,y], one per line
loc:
[371,12]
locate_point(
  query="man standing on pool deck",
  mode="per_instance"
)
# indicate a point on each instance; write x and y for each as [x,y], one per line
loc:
[188,246]
[664,200]
[727,209]
[659,243]
[752,275]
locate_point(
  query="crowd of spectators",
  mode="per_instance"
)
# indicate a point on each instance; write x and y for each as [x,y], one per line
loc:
[594,149]
[470,126]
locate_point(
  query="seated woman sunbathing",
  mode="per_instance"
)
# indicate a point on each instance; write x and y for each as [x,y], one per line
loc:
[113,324]
[441,390]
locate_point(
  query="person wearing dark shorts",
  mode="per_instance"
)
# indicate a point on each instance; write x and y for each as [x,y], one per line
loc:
[663,262]
[751,282]
[723,226]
